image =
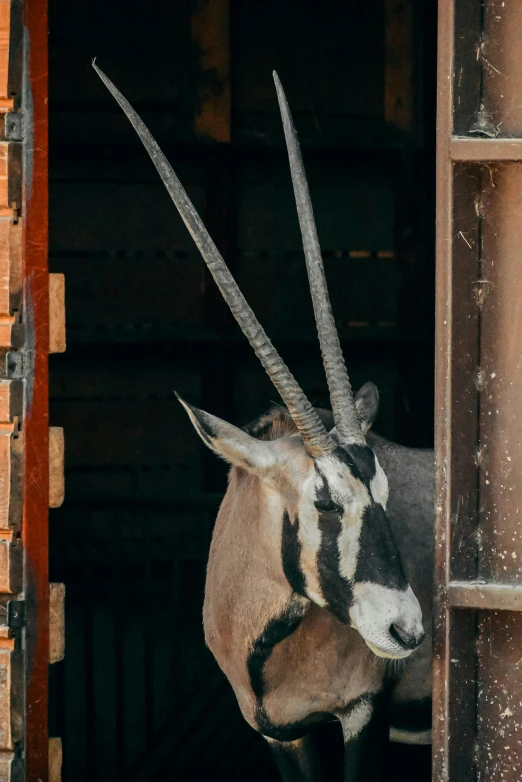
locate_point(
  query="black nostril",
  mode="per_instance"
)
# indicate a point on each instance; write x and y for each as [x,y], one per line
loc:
[406,640]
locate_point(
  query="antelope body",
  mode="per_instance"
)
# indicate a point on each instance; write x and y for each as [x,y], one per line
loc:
[323,532]
[292,663]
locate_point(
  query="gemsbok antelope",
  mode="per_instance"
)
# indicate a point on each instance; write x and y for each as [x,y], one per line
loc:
[308,603]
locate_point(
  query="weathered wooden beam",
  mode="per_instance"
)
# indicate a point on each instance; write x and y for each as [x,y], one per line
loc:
[5,30]
[56,622]
[476,150]
[484,596]
[56,467]
[57,340]
[55,760]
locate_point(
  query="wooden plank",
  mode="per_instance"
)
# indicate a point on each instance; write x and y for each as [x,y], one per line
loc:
[5,271]
[56,622]
[6,739]
[55,760]
[5,400]
[4,173]
[210,27]
[5,480]
[56,467]
[8,764]
[11,401]
[57,340]
[5,26]
[485,596]
[15,264]
[487,150]
[398,90]
[10,564]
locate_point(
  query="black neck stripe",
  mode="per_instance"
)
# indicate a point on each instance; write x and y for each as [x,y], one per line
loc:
[276,630]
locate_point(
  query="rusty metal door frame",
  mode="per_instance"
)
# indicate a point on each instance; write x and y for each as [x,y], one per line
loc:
[478,591]
[28,446]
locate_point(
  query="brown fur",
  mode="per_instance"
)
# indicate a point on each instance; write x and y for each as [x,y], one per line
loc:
[324,664]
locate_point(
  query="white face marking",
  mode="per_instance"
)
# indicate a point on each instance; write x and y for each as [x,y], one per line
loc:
[376,608]
[351,495]
[310,539]
[348,544]
[379,485]
[355,721]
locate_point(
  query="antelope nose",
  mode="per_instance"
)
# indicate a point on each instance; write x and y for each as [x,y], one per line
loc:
[406,639]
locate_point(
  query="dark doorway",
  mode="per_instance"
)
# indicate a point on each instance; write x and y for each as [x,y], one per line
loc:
[138,697]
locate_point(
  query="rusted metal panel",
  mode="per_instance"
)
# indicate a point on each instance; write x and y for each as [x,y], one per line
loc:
[499,739]
[36,424]
[501,57]
[501,377]
[459,67]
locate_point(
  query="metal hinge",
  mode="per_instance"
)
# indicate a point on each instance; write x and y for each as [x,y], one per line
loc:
[14,126]
[16,614]
[11,365]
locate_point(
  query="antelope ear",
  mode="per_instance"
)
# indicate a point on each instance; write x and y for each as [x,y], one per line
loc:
[367,405]
[229,442]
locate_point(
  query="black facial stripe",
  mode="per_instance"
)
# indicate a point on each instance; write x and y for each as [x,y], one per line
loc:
[276,630]
[291,554]
[359,459]
[323,493]
[336,589]
[379,560]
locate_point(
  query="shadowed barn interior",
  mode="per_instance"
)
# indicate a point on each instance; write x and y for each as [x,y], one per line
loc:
[138,696]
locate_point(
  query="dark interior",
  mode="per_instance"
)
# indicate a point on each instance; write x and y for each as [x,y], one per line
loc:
[138,696]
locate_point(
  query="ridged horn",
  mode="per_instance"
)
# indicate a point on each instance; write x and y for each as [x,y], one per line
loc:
[315,437]
[341,396]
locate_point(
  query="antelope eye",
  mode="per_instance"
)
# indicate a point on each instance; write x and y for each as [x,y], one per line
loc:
[327,506]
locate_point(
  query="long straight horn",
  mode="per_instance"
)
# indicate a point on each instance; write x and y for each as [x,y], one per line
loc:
[341,397]
[316,438]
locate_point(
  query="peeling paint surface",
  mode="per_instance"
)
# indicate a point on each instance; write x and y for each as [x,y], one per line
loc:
[499,729]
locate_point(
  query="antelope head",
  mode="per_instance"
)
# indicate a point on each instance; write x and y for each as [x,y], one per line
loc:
[337,545]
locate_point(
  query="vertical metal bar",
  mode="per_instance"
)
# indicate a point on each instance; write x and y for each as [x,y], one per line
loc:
[36,425]
[443,340]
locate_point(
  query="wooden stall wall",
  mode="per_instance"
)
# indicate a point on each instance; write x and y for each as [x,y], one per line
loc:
[478,627]
[138,696]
